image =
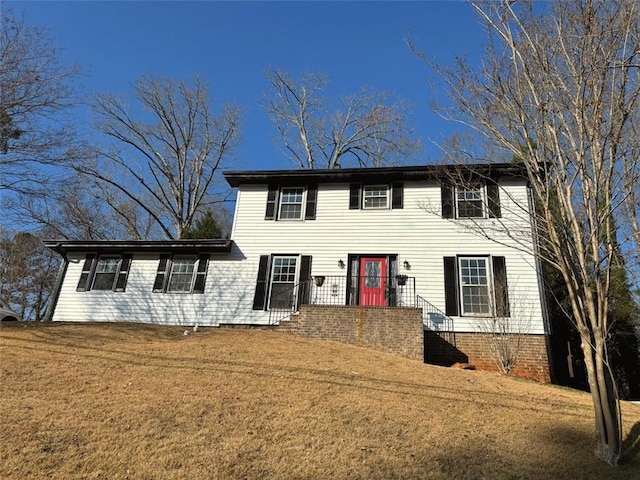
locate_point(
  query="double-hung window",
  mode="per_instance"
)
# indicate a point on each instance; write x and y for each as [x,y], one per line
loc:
[375,196]
[182,274]
[291,203]
[474,286]
[470,201]
[283,281]
[104,272]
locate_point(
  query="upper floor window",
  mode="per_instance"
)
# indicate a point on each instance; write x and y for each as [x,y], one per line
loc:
[470,202]
[291,203]
[375,196]
[104,272]
[473,200]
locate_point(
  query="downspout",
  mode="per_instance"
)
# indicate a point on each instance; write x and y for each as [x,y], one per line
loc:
[541,290]
[62,271]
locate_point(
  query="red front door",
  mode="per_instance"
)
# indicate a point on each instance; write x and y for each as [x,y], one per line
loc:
[373,281]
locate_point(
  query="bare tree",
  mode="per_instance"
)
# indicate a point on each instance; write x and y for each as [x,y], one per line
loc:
[27,274]
[508,329]
[77,208]
[368,129]
[560,92]
[166,158]
[36,91]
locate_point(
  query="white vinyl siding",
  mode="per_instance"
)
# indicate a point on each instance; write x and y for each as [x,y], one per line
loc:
[416,233]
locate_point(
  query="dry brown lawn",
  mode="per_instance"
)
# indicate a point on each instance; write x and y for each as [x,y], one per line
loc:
[147,402]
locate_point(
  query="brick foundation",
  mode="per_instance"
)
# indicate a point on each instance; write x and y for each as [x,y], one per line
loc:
[447,348]
[396,330]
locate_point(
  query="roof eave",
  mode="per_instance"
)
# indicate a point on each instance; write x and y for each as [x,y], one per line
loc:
[135,246]
[343,175]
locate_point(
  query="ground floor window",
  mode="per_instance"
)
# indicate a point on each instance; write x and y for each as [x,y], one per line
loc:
[474,286]
[283,280]
[106,273]
[182,274]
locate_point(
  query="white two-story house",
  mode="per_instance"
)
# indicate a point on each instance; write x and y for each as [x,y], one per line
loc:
[392,238]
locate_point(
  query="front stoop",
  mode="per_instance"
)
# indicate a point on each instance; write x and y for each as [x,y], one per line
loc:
[288,326]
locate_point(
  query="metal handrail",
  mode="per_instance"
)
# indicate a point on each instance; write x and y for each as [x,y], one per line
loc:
[391,291]
[432,317]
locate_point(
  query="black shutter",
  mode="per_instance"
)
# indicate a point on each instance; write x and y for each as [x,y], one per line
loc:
[452,305]
[397,194]
[85,276]
[260,296]
[447,193]
[501,290]
[162,273]
[304,282]
[493,200]
[201,274]
[312,197]
[123,273]
[354,196]
[272,203]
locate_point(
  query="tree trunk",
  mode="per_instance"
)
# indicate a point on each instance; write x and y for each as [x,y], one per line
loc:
[604,397]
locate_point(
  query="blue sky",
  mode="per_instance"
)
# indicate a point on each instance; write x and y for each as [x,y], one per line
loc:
[232,43]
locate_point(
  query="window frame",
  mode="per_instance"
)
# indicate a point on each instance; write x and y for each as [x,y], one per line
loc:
[179,260]
[89,272]
[97,272]
[301,203]
[482,191]
[272,276]
[380,188]
[489,285]
[165,273]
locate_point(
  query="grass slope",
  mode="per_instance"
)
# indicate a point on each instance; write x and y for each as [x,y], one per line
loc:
[143,402]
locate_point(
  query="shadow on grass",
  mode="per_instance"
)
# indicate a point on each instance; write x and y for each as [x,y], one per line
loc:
[631,447]
[569,440]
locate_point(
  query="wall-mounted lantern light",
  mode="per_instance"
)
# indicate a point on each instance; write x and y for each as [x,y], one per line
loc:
[340,263]
[407,265]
